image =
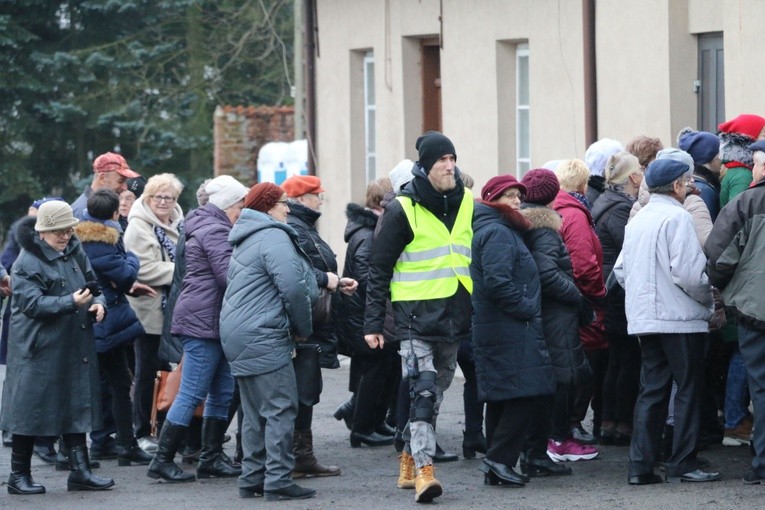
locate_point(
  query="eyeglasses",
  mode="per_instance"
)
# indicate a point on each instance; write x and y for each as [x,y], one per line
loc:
[513,194]
[159,199]
[281,202]
[65,232]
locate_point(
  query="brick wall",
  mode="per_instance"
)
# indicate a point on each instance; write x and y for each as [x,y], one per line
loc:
[240,132]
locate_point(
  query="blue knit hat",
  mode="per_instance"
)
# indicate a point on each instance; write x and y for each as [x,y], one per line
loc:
[664,171]
[701,145]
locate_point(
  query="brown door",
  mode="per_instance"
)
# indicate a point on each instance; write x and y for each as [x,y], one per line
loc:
[431,85]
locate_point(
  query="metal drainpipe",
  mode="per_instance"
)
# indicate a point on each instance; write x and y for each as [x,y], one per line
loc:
[310,83]
[590,73]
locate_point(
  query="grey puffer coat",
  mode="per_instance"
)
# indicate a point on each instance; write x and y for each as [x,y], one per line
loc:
[51,384]
[271,287]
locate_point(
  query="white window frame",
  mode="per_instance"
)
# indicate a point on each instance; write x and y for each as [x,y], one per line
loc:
[370,155]
[522,164]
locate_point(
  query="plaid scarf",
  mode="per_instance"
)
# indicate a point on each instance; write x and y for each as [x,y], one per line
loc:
[169,247]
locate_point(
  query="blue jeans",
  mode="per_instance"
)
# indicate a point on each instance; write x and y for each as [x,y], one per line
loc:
[736,391]
[206,373]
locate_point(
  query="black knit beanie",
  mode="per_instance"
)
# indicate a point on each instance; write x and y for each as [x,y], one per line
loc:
[431,146]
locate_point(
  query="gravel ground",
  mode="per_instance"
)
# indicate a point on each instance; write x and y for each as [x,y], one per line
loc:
[369,477]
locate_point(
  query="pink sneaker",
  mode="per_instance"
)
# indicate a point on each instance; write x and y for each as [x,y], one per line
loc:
[570,450]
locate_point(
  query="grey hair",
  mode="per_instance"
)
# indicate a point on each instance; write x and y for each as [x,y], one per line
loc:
[759,157]
[665,189]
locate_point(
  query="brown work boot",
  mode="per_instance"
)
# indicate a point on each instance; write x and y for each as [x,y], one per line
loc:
[426,486]
[739,436]
[406,471]
[306,464]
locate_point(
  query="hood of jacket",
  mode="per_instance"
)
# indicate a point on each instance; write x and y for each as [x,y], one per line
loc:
[609,199]
[358,218]
[566,199]
[251,221]
[541,216]
[422,191]
[93,230]
[492,212]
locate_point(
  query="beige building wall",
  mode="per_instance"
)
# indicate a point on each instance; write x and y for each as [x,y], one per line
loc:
[646,58]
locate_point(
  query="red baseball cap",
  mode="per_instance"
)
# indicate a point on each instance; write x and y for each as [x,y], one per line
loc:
[111,162]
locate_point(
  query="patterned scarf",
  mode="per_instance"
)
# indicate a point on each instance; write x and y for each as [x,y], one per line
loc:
[582,198]
[169,247]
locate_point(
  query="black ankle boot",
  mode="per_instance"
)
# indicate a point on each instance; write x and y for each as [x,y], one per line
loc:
[130,453]
[81,478]
[212,462]
[345,412]
[163,466]
[473,442]
[239,454]
[20,482]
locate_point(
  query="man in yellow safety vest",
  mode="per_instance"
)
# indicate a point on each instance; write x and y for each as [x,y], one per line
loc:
[420,259]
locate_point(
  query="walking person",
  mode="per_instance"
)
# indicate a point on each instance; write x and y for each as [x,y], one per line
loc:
[51,385]
[513,366]
[430,293]
[266,310]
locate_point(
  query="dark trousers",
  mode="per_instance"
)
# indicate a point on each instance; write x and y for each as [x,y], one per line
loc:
[590,392]
[666,357]
[473,408]
[378,378]
[146,365]
[540,429]
[752,344]
[622,379]
[507,424]
[113,367]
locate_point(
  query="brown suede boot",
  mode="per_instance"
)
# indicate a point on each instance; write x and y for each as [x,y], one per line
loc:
[405,471]
[306,464]
[426,485]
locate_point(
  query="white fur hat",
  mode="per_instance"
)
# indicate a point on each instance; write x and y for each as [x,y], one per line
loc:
[401,174]
[598,153]
[225,191]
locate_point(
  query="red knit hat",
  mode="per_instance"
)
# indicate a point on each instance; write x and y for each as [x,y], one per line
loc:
[493,189]
[299,185]
[541,186]
[745,124]
[263,196]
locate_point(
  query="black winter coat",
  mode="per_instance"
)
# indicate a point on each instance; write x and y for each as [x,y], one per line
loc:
[358,234]
[511,357]
[432,320]
[611,213]
[560,296]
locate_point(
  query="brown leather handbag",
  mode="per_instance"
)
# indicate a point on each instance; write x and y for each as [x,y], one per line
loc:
[166,387]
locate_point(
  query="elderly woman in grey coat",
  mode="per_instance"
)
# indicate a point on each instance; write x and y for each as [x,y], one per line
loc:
[266,309]
[51,385]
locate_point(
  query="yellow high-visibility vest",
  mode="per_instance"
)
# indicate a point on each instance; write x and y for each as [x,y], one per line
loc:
[436,261]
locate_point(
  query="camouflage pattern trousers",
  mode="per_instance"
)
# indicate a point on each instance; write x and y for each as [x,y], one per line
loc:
[437,357]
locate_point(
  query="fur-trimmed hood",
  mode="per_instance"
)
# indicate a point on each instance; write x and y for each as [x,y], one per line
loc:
[495,211]
[540,216]
[358,218]
[97,232]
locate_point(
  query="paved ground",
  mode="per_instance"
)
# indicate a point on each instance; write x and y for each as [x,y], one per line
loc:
[369,478]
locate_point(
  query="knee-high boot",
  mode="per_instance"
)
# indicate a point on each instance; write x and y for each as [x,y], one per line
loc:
[163,466]
[212,461]
[306,464]
[81,478]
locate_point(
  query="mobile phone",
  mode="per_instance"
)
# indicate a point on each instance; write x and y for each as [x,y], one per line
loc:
[93,287]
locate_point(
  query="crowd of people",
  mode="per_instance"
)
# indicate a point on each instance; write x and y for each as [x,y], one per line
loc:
[625,283]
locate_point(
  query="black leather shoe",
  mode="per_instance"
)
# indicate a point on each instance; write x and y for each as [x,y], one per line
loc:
[344,412]
[752,478]
[45,453]
[442,456]
[645,479]
[255,491]
[695,476]
[373,439]
[501,474]
[109,452]
[539,466]
[385,430]
[582,436]
[293,491]
[398,441]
